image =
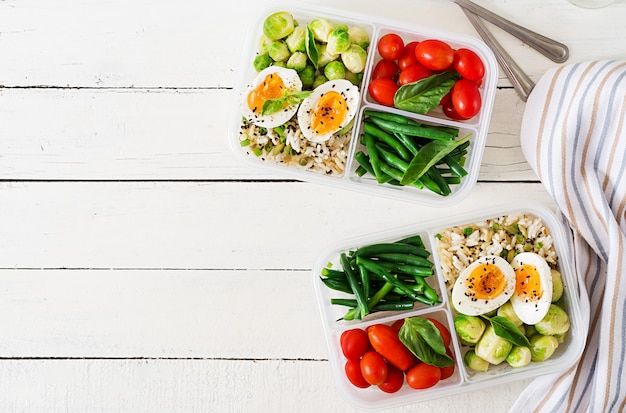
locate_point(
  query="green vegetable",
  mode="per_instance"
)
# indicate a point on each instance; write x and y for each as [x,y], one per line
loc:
[359,36]
[542,347]
[354,285]
[425,94]
[319,80]
[311,47]
[556,321]
[307,76]
[413,129]
[387,138]
[422,337]
[279,52]
[278,25]
[321,29]
[471,360]
[296,41]
[519,356]
[355,78]
[289,98]
[557,285]
[506,311]
[338,41]
[297,61]
[492,347]
[261,61]
[354,58]
[394,247]
[504,328]
[335,70]
[264,44]
[469,328]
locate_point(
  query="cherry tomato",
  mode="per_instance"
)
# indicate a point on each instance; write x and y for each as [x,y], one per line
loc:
[468,64]
[434,54]
[408,57]
[386,342]
[445,99]
[385,69]
[390,46]
[382,90]
[466,98]
[394,380]
[423,376]
[373,368]
[414,73]
[443,331]
[447,371]
[354,343]
[450,111]
[397,325]
[353,372]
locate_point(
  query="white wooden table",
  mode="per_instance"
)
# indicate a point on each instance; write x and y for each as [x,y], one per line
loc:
[143,268]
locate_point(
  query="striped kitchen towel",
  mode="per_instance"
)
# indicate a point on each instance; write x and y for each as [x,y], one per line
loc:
[574,137]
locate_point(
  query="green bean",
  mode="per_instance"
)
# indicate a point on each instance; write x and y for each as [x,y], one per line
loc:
[389,139]
[396,306]
[337,285]
[404,259]
[433,173]
[397,175]
[365,281]
[356,288]
[364,162]
[408,142]
[379,295]
[419,270]
[455,167]
[390,116]
[381,248]
[332,273]
[372,152]
[452,180]
[421,131]
[430,184]
[413,240]
[430,293]
[392,159]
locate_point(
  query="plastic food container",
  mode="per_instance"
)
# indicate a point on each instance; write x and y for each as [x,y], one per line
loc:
[575,302]
[345,175]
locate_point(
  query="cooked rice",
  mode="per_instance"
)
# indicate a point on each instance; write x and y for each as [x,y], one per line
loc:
[328,158]
[457,250]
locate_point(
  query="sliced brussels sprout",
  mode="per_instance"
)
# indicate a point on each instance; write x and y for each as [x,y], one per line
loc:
[354,58]
[469,328]
[279,52]
[324,57]
[297,61]
[321,28]
[335,70]
[296,40]
[471,360]
[319,80]
[261,61]
[278,25]
[542,347]
[307,76]
[264,44]
[557,285]
[359,36]
[556,321]
[338,41]
[506,311]
[519,356]
[492,347]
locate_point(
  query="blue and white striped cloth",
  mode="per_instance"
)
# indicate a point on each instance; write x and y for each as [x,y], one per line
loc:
[574,137]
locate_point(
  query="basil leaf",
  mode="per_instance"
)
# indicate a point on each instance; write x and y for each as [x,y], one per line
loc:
[504,328]
[424,340]
[425,94]
[311,47]
[429,155]
[274,105]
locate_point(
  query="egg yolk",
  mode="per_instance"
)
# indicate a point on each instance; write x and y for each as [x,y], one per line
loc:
[528,283]
[272,87]
[486,282]
[329,113]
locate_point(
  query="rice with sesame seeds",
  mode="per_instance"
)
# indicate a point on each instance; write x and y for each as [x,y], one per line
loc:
[505,236]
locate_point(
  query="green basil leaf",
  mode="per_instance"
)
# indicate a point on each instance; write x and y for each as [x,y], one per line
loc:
[311,47]
[273,105]
[504,328]
[424,340]
[429,155]
[425,94]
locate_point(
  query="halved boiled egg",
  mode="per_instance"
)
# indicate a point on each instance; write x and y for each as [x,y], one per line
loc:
[483,286]
[533,287]
[330,108]
[270,83]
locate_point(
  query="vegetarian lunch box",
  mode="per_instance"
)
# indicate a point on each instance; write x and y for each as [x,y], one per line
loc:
[349,176]
[574,301]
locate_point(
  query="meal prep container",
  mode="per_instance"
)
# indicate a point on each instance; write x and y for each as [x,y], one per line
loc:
[476,126]
[574,296]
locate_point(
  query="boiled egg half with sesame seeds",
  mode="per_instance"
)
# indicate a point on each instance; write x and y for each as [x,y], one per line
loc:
[273,82]
[483,286]
[330,108]
[533,287]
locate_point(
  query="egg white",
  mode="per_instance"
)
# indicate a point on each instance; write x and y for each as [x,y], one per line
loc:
[292,83]
[350,93]
[532,310]
[463,298]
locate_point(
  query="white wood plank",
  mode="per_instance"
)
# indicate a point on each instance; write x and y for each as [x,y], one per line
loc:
[204,225]
[169,134]
[165,386]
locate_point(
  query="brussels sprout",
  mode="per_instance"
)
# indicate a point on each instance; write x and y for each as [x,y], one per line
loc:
[355,78]
[519,356]
[354,58]
[542,347]
[335,70]
[307,76]
[297,61]
[296,40]
[278,25]
[530,330]
[319,80]
[321,28]
[557,286]
[279,64]
[264,44]
[492,347]
[506,311]
[555,321]
[359,36]
[261,62]
[338,41]
[471,360]
[469,328]
[324,57]
[279,52]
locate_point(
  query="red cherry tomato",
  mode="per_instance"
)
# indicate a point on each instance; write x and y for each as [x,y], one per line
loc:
[445,99]
[390,46]
[385,69]
[450,111]
[382,90]
[413,73]
[447,371]
[373,368]
[468,64]
[408,57]
[465,98]
[397,325]
[423,376]
[394,380]
[434,54]
[386,342]
[443,331]
[354,343]
[353,372]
